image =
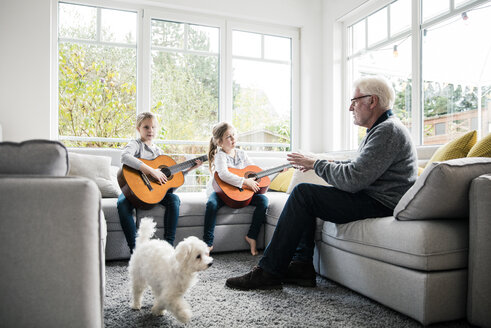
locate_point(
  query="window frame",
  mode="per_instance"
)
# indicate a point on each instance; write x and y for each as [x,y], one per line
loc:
[415,31]
[145,14]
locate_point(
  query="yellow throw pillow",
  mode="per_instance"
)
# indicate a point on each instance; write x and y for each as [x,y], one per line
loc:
[482,148]
[456,148]
[282,180]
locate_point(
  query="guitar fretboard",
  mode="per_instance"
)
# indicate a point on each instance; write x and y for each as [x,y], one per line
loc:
[273,170]
[187,164]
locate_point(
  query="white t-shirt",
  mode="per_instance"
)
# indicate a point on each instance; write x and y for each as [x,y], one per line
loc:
[223,162]
[138,149]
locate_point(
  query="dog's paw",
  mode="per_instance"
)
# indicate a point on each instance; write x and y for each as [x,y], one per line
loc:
[136,306]
[157,311]
[184,315]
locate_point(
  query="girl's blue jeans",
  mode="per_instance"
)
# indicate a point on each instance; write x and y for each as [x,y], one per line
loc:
[215,203]
[293,238]
[125,210]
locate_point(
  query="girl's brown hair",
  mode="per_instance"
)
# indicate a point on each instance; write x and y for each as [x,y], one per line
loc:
[143,116]
[218,132]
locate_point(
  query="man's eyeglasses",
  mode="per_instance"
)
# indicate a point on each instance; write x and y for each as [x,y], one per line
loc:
[353,101]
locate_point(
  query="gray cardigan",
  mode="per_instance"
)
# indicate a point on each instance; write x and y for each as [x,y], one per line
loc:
[385,168]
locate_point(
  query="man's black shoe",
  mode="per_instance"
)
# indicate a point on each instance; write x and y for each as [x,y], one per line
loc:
[256,279]
[301,273]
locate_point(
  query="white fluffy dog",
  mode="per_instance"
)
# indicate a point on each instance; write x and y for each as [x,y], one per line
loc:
[169,272]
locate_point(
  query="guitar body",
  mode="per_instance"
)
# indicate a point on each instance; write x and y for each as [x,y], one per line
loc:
[240,197]
[138,192]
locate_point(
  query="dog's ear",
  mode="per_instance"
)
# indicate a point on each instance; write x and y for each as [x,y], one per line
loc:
[182,251]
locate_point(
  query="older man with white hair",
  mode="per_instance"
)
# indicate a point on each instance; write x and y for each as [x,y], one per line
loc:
[368,186]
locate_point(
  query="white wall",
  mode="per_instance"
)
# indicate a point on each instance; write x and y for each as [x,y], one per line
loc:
[25,69]
[336,116]
[25,61]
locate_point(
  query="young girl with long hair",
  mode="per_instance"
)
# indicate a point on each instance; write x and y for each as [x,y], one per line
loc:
[222,155]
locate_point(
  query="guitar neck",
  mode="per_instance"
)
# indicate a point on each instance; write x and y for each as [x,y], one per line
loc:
[273,170]
[187,164]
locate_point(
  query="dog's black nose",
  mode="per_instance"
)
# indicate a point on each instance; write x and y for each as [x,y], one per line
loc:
[209,264]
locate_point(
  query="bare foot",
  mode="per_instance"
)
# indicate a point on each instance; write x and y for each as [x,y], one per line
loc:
[252,243]
[210,248]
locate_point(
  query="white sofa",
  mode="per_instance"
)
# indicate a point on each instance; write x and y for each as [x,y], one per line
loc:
[431,270]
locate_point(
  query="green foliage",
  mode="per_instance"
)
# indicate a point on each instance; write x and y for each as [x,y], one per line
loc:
[97,91]
[446,98]
[185,95]
[253,111]
[402,103]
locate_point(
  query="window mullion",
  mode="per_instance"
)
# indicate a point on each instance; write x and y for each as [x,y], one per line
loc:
[99,24]
[144,63]
[226,112]
[416,94]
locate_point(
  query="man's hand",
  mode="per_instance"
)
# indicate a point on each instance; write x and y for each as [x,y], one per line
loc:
[301,162]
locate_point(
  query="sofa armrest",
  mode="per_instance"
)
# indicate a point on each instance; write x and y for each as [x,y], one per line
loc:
[51,260]
[479,285]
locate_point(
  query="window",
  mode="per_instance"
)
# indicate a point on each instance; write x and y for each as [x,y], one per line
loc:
[185,82]
[97,74]
[450,64]
[456,72]
[262,90]
[389,54]
[114,63]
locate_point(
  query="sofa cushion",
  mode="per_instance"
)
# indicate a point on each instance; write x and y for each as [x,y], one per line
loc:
[457,148]
[482,148]
[420,245]
[441,192]
[109,207]
[305,177]
[34,157]
[282,181]
[192,212]
[96,168]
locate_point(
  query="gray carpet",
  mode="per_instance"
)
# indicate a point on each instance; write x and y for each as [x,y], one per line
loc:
[214,305]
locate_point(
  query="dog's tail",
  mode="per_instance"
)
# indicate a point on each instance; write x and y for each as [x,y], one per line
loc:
[146,230]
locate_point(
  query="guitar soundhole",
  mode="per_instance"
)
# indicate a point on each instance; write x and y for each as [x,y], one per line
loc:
[167,172]
[252,175]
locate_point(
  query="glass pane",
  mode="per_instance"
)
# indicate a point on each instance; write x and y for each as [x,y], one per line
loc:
[77,22]
[377,27]
[451,96]
[167,34]
[185,95]
[396,68]
[246,44]
[359,36]
[262,103]
[97,91]
[433,8]
[277,48]
[458,3]
[203,38]
[118,26]
[400,16]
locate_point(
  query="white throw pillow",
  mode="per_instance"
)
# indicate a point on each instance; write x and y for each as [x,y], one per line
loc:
[442,190]
[96,168]
[307,177]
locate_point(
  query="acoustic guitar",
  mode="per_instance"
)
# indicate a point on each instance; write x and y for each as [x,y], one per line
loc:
[240,197]
[143,191]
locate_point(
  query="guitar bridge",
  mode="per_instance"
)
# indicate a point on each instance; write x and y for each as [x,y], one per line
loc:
[146,181]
